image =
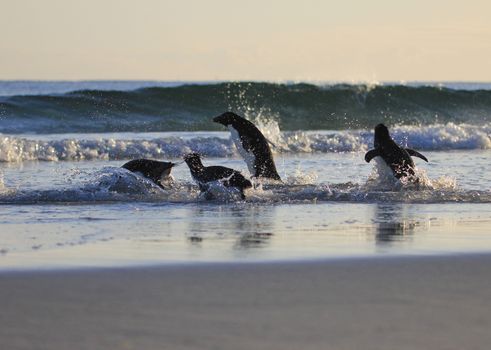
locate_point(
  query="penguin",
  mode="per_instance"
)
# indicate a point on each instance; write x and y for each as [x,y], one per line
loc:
[157,171]
[206,174]
[397,158]
[251,144]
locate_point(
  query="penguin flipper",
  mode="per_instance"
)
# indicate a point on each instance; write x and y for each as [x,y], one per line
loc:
[414,153]
[371,154]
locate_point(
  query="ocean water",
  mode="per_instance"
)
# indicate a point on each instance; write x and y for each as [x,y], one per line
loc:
[65,202]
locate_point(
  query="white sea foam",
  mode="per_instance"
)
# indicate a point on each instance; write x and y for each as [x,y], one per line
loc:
[300,177]
[444,137]
[16,149]
[431,137]
[382,179]
[187,193]
[2,184]
[112,184]
[217,191]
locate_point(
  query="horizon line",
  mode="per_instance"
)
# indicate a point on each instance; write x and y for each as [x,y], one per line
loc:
[279,81]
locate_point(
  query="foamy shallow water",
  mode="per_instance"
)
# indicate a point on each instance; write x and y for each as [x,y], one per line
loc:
[90,213]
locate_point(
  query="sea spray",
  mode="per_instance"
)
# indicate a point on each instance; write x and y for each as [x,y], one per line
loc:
[382,179]
[114,185]
[2,183]
[300,177]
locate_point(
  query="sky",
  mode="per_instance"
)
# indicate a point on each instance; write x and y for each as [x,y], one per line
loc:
[304,40]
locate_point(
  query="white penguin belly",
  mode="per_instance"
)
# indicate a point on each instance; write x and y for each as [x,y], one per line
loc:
[249,157]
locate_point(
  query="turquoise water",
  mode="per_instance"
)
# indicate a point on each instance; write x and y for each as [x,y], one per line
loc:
[142,107]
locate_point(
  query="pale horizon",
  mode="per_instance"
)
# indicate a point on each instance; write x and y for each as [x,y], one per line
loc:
[272,81]
[277,41]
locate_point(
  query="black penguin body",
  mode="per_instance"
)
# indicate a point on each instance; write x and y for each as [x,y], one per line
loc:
[397,158]
[252,145]
[206,174]
[152,169]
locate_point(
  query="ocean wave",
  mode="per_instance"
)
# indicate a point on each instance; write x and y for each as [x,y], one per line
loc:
[293,106]
[448,136]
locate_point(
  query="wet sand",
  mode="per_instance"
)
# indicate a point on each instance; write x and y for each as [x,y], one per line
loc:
[377,303]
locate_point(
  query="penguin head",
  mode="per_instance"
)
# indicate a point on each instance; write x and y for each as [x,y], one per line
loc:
[381,133]
[165,168]
[193,160]
[227,118]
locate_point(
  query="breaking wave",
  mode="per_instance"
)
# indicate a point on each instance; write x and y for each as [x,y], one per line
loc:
[293,106]
[448,136]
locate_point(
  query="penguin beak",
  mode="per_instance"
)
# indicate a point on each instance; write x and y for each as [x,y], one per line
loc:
[220,120]
[217,119]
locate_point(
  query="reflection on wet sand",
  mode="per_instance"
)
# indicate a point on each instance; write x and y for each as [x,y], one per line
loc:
[253,240]
[253,227]
[395,223]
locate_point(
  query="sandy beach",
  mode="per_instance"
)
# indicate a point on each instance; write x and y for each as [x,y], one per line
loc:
[378,303]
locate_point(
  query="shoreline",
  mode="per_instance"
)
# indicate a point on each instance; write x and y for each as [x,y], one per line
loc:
[430,302]
[164,265]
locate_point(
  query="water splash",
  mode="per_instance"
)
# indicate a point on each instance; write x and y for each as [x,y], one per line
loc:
[382,179]
[300,177]
[2,183]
